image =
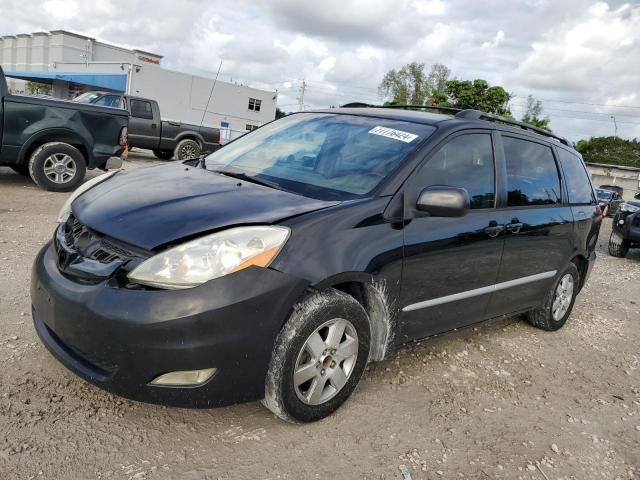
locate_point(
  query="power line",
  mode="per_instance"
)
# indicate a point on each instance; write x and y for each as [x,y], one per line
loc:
[583,103]
[580,111]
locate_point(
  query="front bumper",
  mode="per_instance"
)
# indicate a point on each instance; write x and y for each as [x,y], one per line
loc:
[629,229]
[120,339]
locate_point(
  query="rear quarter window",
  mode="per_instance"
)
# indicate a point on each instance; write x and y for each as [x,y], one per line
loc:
[576,178]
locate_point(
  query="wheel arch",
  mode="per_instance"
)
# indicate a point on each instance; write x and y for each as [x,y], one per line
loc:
[373,297]
[53,135]
[190,135]
[581,264]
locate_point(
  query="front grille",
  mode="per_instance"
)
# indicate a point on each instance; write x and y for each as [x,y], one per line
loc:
[92,245]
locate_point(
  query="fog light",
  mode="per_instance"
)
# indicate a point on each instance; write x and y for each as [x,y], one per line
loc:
[621,222]
[184,378]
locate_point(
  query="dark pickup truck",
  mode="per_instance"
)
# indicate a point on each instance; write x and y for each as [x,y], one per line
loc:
[56,141]
[166,138]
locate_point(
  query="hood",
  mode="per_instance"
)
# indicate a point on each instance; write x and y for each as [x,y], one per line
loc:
[150,207]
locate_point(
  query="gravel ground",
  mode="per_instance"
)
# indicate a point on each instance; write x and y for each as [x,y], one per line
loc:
[503,400]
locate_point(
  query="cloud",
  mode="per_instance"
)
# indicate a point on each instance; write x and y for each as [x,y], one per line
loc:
[497,40]
[61,9]
[575,50]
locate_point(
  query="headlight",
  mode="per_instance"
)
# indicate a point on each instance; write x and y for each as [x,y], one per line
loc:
[626,207]
[211,256]
[65,211]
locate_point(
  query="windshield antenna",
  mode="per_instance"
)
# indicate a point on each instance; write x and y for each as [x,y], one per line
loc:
[211,94]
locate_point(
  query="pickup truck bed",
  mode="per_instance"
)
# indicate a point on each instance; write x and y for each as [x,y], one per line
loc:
[55,141]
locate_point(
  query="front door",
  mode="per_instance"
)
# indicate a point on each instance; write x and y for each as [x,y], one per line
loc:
[451,263]
[538,225]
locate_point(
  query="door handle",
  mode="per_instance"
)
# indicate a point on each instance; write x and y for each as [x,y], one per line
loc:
[514,227]
[153,125]
[493,230]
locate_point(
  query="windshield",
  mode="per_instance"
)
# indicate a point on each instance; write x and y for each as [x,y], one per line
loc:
[325,156]
[87,97]
[603,194]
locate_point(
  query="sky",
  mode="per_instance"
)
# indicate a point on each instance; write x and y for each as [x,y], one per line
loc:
[581,58]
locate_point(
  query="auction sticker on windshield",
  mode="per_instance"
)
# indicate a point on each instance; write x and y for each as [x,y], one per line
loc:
[393,133]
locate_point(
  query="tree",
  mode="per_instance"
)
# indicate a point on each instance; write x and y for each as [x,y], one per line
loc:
[280,113]
[411,85]
[532,115]
[36,88]
[475,95]
[438,78]
[610,150]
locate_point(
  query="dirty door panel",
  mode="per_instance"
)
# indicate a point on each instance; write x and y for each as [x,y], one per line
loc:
[451,256]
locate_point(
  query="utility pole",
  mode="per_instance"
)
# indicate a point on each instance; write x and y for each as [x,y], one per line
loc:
[301,96]
[615,127]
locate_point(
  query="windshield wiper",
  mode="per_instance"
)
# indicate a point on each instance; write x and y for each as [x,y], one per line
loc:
[248,178]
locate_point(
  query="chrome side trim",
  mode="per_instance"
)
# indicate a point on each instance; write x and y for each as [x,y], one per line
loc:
[479,291]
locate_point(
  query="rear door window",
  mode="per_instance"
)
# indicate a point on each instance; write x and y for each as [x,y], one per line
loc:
[576,178]
[532,174]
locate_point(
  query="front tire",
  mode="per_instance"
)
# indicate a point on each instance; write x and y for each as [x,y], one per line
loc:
[163,154]
[187,149]
[558,302]
[318,357]
[57,167]
[618,246]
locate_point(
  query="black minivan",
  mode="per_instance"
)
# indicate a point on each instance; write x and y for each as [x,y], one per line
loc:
[278,266]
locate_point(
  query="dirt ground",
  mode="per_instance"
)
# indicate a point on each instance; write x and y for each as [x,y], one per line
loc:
[500,401]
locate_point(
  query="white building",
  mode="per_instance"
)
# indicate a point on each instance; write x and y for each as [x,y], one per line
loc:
[71,64]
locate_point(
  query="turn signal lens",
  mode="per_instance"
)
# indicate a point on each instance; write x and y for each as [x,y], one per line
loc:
[184,378]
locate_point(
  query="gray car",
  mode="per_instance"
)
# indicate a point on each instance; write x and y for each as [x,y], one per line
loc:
[609,201]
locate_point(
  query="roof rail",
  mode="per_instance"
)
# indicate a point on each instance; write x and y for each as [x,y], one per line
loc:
[403,107]
[425,107]
[479,115]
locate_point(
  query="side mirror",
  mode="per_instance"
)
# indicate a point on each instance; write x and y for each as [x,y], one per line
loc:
[441,201]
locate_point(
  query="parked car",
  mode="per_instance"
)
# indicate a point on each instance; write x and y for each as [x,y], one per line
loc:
[55,142]
[626,228]
[609,201]
[278,266]
[614,188]
[166,138]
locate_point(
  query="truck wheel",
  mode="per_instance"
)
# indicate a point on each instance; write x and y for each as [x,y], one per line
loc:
[163,154]
[318,357]
[57,167]
[558,302]
[186,149]
[21,169]
[618,246]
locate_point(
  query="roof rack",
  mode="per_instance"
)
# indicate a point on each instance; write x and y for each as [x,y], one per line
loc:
[425,107]
[471,114]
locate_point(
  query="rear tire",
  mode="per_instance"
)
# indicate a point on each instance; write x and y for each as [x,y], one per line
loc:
[187,149]
[334,326]
[57,167]
[558,302]
[163,154]
[618,246]
[21,169]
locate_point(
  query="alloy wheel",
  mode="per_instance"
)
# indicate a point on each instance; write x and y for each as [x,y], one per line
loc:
[187,152]
[563,297]
[60,168]
[326,361]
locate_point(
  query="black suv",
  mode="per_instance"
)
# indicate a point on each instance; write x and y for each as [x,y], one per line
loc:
[278,266]
[625,233]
